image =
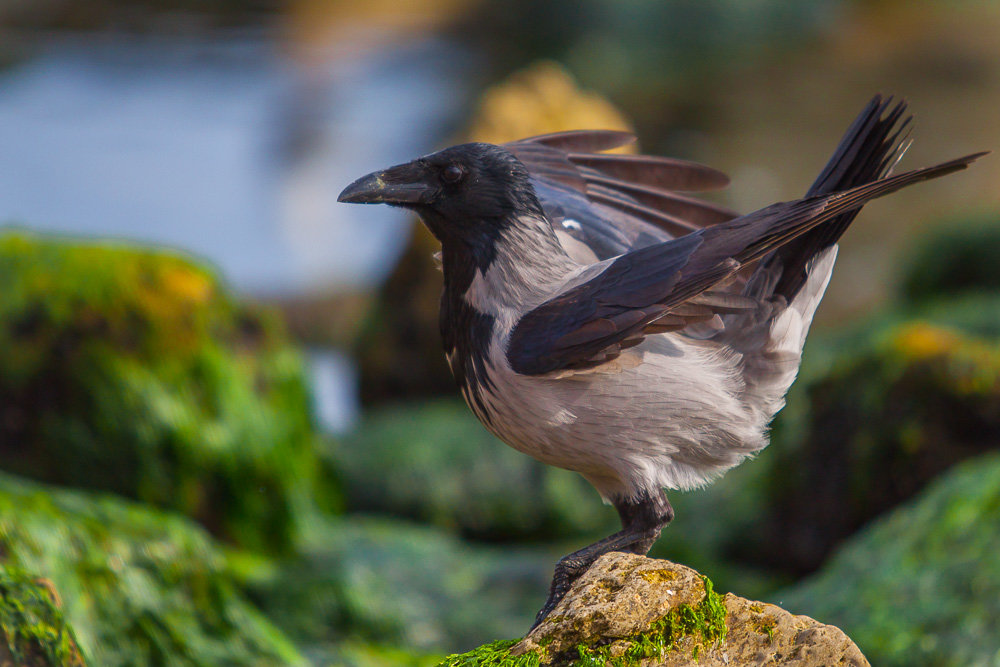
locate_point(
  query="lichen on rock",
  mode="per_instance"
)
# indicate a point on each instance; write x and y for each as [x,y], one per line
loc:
[630,610]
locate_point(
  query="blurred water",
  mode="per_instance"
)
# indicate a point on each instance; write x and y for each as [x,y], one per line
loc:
[227,150]
[333,378]
[221,147]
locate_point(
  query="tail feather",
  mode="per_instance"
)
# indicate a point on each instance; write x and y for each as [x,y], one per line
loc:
[869,149]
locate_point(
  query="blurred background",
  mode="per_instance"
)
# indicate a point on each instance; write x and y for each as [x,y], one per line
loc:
[227,432]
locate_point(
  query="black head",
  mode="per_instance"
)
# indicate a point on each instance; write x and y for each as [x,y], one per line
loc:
[464,193]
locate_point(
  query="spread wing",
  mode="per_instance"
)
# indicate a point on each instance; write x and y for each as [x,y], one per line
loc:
[604,205]
[612,305]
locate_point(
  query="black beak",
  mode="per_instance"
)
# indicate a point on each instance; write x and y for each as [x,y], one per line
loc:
[403,185]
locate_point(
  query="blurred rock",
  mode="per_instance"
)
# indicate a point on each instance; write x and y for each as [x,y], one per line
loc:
[324,319]
[630,610]
[539,99]
[920,586]
[399,349]
[390,588]
[137,586]
[957,256]
[892,413]
[33,631]
[435,463]
[134,371]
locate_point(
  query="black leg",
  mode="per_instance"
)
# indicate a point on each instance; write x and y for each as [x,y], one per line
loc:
[642,520]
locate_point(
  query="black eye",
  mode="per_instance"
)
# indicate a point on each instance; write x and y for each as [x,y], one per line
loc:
[453,173]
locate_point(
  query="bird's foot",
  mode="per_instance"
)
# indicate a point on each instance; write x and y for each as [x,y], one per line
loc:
[642,519]
[567,572]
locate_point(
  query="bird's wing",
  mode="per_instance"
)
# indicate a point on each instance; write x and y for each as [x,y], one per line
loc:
[614,304]
[615,203]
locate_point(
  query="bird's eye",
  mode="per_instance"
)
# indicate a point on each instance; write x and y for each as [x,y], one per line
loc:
[453,173]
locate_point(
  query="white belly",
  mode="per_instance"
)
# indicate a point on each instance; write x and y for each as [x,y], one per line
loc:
[673,420]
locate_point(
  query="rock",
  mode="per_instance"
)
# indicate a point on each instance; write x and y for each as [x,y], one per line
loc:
[433,461]
[895,409]
[628,610]
[137,586]
[33,630]
[539,99]
[921,585]
[135,371]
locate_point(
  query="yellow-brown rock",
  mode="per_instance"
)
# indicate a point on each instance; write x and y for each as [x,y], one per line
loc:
[631,610]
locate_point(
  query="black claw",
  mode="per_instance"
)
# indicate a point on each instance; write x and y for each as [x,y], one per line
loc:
[642,520]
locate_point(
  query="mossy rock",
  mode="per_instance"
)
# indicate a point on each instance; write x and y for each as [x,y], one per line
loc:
[920,586]
[33,631]
[630,611]
[138,586]
[433,461]
[958,256]
[134,371]
[399,589]
[887,418]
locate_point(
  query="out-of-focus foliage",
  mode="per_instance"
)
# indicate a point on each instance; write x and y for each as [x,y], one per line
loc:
[387,583]
[539,99]
[399,349]
[350,653]
[134,371]
[33,631]
[651,55]
[892,414]
[138,587]
[434,462]
[920,586]
[957,256]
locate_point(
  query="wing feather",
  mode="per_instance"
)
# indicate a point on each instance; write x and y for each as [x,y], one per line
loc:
[588,321]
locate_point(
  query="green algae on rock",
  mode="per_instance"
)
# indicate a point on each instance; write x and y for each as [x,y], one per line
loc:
[134,371]
[138,586]
[628,611]
[33,631]
[433,461]
[921,585]
[900,406]
[390,583]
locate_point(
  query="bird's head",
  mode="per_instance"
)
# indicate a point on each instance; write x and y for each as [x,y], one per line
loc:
[465,193]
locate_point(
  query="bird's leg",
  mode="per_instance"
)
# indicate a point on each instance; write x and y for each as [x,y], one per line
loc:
[642,520]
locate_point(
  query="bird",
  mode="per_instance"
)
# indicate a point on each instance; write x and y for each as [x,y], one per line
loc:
[601,319]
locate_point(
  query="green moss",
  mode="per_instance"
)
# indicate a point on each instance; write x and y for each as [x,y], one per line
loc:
[31,624]
[495,654]
[895,408]
[705,623]
[921,585]
[765,626]
[135,371]
[393,583]
[138,587]
[433,462]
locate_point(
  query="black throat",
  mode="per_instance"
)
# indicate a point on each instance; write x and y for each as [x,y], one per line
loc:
[465,331]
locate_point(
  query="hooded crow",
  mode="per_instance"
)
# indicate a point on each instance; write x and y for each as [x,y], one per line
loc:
[599,321]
